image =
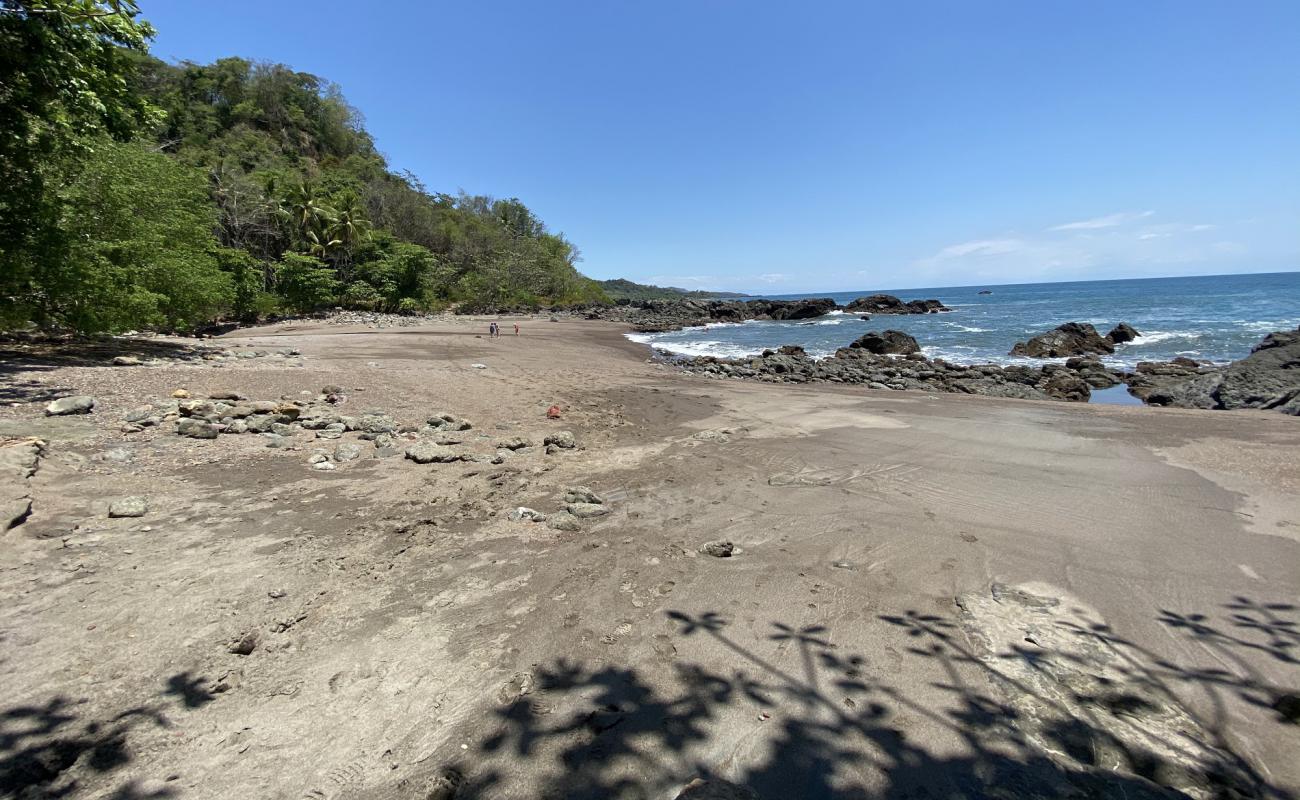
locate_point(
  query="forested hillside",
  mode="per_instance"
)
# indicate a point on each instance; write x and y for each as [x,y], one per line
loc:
[141,194]
[624,289]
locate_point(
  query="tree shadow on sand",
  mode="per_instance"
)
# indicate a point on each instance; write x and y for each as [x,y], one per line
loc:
[1097,716]
[49,750]
[45,354]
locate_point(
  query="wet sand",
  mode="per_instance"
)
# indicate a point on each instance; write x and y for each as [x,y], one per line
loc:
[931,595]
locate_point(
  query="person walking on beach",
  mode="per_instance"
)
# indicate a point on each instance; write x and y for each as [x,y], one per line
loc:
[492,330]
[516,329]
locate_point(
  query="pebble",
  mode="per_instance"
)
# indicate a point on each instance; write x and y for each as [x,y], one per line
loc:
[718,549]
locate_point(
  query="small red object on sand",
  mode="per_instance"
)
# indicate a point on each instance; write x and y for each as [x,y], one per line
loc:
[553,412]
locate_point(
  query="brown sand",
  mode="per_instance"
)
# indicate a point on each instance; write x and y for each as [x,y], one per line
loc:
[931,595]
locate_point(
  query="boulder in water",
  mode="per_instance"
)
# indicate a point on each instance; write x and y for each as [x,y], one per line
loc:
[889,342]
[1122,333]
[1070,339]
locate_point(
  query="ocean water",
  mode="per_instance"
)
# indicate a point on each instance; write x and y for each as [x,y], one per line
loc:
[1216,318]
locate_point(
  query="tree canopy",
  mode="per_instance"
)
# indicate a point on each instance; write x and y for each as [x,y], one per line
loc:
[139,193]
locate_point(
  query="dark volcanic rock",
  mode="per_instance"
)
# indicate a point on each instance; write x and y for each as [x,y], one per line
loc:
[657,316]
[1070,339]
[1093,372]
[1267,378]
[1122,333]
[887,342]
[1066,385]
[888,304]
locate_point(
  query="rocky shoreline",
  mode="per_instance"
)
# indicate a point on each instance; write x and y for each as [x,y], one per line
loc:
[660,316]
[1269,378]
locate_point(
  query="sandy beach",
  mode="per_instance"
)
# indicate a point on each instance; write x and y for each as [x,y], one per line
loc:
[926,596]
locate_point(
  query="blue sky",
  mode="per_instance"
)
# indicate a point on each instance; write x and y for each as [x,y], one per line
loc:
[829,146]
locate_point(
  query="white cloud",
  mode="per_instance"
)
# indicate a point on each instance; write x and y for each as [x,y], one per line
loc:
[773,277]
[1108,221]
[981,247]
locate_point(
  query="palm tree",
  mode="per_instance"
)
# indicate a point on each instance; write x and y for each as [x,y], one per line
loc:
[321,245]
[348,227]
[307,211]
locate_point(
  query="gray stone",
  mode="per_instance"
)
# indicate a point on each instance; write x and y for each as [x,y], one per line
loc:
[449,422]
[196,429]
[235,426]
[376,423]
[582,494]
[562,439]
[586,510]
[126,361]
[260,423]
[331,432]
[75,404]
[347,451]
[718,549]
[138,415]
[244,645]
[563,521]
[430,453]
[523,513]
[515,443]
[129,507]
[282,429]
[323,466]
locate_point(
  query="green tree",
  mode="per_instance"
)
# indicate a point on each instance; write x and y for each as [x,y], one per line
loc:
[64,82]
[140,246]
[305,283]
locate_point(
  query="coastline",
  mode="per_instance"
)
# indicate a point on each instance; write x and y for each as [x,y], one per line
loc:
[892,548]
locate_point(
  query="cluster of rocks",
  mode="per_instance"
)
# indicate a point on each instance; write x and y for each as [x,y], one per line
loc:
[377,319]
[1074,339]
[888,304]
[1268,378]
[872,360]
[580,503]
[283,423]
[657,316]
[212,354]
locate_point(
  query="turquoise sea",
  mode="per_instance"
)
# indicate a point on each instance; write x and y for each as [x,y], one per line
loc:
[1217,318]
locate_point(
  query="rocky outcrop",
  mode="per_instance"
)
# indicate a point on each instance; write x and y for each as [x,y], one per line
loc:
[889,342]
[19,460]
[1070,339]
[1122,333]
[1096,374]
[860,365]
[1075,339]
[1268,378]
[657,316]
[888,304]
